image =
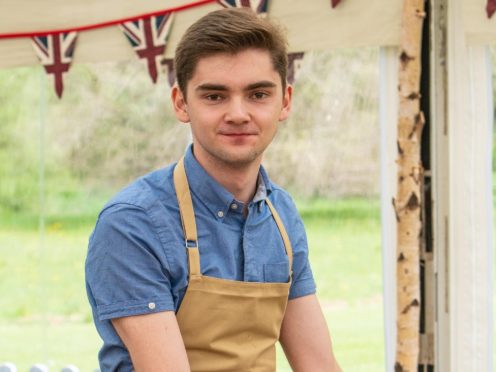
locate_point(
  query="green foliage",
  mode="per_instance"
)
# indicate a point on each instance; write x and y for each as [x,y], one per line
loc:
[121,125]
[329,146]
[340,210]
[18,171]
[113,125]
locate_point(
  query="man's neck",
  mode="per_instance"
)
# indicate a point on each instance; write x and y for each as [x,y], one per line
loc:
[239,180]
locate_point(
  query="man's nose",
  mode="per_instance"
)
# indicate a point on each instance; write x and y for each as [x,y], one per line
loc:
[237,111]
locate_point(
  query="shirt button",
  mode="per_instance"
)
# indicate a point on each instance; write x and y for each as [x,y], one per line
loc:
[151,305]
[220,214]
[234,206]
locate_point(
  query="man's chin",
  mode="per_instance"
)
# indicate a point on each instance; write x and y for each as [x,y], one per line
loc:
[238,158]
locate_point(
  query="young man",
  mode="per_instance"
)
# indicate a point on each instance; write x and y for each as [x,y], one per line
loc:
[203,265]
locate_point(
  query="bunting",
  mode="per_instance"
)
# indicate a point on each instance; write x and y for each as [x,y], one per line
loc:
[294,63]
[148,37]
[147,34]
[55,54]
[490,8]
[258,6]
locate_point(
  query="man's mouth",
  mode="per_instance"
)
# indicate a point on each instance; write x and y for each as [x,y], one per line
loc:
[237,134]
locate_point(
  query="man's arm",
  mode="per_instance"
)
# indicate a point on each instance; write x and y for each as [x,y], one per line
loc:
[154,342]
[305,337]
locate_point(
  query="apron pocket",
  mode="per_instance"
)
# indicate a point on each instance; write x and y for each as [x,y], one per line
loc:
[276,272]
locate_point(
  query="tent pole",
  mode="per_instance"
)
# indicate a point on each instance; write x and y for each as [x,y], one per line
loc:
[388,117]
[440,180]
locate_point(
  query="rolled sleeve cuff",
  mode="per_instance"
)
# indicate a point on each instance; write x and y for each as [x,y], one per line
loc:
[122,309]
[302,287]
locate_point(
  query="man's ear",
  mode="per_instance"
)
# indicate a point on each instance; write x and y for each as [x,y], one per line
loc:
[180,105]
[286,103]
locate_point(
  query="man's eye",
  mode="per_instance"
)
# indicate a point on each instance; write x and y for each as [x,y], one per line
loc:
[259,95]
[213,97]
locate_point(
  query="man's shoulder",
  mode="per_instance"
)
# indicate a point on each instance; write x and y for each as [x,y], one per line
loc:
[144,192]
[282,200]
[278,193]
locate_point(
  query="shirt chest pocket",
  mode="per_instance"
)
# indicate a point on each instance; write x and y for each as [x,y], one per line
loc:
[276,272]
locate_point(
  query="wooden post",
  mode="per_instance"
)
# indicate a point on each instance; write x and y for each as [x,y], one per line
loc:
[409,196]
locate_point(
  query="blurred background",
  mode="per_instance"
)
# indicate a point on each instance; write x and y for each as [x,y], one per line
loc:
[60,161]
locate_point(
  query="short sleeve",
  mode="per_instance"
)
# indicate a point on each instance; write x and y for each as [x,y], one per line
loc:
[303,283]
[126,268]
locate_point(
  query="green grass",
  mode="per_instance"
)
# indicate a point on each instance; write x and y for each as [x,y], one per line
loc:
[44,315]
[64,210]
[55,343]
[43,277]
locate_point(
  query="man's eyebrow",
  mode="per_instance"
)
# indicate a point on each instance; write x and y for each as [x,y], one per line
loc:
[209,86]
[220,87]
[261,84]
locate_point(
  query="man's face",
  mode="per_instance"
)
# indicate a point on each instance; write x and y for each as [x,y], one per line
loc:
[234,103]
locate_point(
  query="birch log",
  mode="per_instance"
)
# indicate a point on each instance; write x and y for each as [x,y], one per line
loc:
[408,198]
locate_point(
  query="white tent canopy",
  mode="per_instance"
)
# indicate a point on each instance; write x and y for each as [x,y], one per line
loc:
[461,131]
[374,24]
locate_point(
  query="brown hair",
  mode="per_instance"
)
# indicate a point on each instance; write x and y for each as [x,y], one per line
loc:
[229,31]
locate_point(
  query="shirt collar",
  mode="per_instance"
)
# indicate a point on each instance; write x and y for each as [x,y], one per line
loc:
[263,188]
[215,197]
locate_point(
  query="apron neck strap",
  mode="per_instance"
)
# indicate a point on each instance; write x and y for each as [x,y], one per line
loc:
[189,224]
[284,234]
[187,217]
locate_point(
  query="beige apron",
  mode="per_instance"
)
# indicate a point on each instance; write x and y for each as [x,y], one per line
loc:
[227,325]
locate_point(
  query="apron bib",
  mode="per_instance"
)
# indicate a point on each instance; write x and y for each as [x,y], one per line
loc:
[227,325]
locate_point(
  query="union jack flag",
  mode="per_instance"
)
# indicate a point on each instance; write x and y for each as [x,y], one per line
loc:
[258,6]
[55,54]
[148,37]
[490,8]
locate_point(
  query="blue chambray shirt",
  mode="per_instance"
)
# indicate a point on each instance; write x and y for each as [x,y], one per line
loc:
[137,263]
